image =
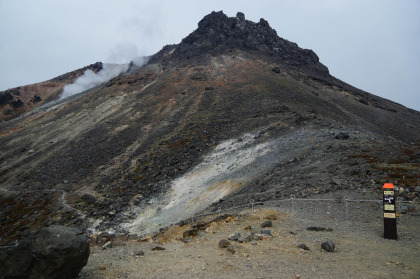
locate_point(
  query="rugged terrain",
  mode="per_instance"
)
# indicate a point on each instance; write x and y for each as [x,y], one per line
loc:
[230,114]
[17,101]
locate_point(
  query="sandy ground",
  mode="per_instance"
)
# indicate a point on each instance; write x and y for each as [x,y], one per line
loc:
[361,251]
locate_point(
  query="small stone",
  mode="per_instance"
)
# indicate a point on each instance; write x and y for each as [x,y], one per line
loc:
[328,246]
[104,237]
[255,230]
[107,245]
[246,238]
[224,243]
[267,224]
[139,253]
[234,237]
[260,236]
[185,239]
[293,160]
[342,136]
[303,246]
[319,229]
[232,248]
[267,232]
[253,242]
[158,248]
[276,69]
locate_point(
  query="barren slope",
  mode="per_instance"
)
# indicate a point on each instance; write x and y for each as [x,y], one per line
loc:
[17,101]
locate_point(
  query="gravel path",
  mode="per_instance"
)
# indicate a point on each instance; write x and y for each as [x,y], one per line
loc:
[361,251]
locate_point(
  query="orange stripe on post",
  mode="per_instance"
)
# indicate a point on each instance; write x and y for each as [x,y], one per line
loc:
[388,185]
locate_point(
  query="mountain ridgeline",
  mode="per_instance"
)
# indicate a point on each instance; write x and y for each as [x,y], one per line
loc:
[230,114]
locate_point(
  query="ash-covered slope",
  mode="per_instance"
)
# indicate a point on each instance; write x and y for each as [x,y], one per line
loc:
[204,123]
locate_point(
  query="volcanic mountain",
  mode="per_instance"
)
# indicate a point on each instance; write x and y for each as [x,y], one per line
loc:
[230,114]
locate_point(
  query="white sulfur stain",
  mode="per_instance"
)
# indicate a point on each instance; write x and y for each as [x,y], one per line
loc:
[231,164]
[218,175]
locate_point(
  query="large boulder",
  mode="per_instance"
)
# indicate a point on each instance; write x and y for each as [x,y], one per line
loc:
[52,252]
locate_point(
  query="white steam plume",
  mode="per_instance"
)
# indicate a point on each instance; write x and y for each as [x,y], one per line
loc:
[119,59]
[90,79]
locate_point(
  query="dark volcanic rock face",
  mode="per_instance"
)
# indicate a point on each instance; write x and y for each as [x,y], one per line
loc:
[230,114]
[217,33]
[53,252]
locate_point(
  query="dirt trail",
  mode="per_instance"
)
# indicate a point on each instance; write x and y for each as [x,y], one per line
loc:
[361,251]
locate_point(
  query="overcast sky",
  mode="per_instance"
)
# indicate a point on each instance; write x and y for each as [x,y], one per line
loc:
[371,44]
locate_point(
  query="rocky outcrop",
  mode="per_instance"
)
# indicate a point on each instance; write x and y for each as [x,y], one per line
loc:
[52,252]
[218,33]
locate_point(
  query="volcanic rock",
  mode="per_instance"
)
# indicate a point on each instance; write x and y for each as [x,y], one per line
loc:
[267,232]
[232,248]
[139,253]
[224,243]
[328,246]
[246,238]
[158,248]
[303,246]
[235,237]
[267,224]
[17,104]
[342,136]
[319,229]
[52,252]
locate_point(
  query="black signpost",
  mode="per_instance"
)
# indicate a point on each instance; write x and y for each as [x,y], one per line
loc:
[390,220]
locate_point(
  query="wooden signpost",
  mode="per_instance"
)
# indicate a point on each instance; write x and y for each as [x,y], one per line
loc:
[390,220]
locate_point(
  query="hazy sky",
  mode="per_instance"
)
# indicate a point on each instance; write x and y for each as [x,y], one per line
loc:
[371,44]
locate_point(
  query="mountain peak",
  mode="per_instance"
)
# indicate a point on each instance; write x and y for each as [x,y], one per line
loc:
[216,18]
[217,33]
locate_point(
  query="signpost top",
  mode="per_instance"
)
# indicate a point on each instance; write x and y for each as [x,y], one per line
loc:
[389,186]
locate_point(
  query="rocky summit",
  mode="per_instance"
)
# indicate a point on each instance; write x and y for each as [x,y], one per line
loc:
[230,114]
